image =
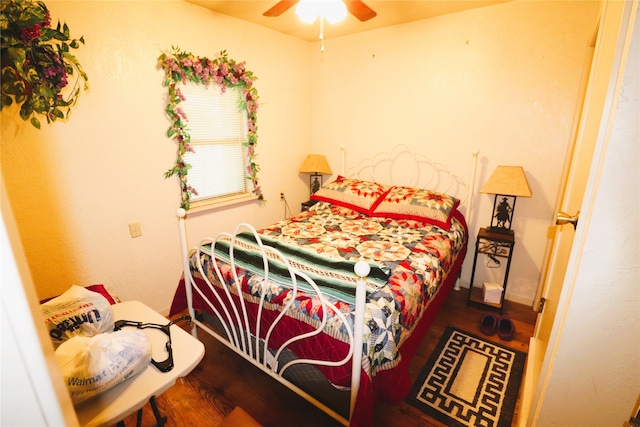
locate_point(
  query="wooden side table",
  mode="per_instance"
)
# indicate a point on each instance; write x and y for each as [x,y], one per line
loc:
[131,395]
[495,246]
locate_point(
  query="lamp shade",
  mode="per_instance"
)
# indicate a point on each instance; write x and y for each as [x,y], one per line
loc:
[509,181]
[315,163]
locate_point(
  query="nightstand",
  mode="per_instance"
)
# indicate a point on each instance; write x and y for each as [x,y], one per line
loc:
[495,246]
[306,205]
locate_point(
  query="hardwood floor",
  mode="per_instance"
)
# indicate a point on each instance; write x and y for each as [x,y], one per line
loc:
[224,380]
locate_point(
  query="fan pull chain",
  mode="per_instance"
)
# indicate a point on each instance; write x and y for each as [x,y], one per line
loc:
[321,34]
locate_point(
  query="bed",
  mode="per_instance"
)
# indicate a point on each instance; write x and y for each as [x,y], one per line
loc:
[333,302]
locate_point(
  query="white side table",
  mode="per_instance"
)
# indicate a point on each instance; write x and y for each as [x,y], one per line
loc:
[131,395]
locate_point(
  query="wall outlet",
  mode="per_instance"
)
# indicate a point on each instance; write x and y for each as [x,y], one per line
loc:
[282,197]
[135,230]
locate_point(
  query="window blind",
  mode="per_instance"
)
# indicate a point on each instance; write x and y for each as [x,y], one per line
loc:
[218,130]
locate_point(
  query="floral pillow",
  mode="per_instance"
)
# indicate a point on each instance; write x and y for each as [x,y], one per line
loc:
[361,196]
[417,204]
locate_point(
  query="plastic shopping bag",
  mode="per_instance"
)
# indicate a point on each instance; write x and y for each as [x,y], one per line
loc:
[78,311]
[93,365]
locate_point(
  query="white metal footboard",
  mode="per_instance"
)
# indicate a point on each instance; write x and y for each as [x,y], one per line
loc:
[249,342]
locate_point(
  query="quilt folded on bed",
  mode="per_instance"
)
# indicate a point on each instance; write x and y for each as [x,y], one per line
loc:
[334,276]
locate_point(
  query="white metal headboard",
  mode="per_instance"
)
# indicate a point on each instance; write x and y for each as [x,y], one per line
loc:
[401,166]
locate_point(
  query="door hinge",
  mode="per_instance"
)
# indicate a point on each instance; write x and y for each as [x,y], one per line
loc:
[541,304]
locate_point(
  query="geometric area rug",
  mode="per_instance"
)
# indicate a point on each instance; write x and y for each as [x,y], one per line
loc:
[468,381]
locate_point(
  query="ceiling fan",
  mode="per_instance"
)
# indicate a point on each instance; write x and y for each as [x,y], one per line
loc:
[356,7]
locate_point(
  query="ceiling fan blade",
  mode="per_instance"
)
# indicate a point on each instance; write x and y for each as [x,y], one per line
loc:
[360,10]
[280,7]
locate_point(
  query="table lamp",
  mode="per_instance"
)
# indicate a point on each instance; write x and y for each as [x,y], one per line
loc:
[316,165]
[507,183]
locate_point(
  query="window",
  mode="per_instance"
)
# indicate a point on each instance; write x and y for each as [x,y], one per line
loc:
[218,130]
[213,111]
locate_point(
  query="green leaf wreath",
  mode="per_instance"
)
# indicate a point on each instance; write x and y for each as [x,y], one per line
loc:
[181,67]
[37,63]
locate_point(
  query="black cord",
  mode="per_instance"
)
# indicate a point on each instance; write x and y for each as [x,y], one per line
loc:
[186,317]
[489,245]
[494,260]
[286,206]
[167,364]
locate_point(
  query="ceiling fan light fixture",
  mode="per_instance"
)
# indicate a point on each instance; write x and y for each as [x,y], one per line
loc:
[333,11]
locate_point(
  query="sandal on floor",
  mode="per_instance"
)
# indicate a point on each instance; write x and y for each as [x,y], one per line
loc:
[489,324]
[506,329]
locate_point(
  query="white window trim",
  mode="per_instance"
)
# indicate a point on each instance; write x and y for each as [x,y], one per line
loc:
[220,202]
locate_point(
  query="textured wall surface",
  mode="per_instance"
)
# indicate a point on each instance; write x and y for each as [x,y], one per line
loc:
[75,186]
[503,79]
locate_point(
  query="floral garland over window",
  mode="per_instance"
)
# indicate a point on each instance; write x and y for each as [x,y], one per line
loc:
[181,67]
[37,62]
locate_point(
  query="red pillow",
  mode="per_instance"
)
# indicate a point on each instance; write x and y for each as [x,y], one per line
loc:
[95,288]
[102,291]
[417,204]
[361,196]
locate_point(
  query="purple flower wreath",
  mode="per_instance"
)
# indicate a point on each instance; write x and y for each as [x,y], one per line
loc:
[181,67]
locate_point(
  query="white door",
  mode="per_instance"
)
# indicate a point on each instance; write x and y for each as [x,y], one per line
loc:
[602,61]
[574,180]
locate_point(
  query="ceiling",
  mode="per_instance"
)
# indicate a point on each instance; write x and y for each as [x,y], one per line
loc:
[389,12]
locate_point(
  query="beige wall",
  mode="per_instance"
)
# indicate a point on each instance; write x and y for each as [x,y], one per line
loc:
[503,79]
[75,186]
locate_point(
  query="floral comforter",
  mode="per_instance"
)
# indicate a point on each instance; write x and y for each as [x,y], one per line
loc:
[409,259]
